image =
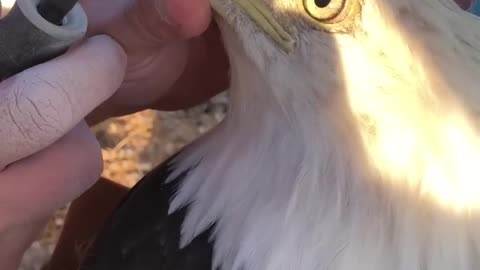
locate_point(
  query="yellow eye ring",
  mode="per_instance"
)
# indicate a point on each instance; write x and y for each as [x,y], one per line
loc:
[329,11]
[332,15]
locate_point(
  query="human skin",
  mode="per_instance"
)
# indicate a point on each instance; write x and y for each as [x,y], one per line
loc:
[188,42]
[48,154]
[51,156]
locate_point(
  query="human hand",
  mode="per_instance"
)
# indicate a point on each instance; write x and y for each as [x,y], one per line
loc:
[175,56]
[166,69]
[48,155]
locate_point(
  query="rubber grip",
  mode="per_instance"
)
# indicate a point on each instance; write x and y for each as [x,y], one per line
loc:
[27,39]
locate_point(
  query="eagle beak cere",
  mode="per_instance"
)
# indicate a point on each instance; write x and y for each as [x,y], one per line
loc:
[263,17]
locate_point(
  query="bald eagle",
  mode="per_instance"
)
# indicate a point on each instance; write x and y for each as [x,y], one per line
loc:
[352,142]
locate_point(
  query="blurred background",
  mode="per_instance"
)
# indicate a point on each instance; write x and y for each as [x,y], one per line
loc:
[131,146]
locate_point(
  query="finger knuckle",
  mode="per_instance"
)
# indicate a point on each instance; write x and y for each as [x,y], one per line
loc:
[33,115]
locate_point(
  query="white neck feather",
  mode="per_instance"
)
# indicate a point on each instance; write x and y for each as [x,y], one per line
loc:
[293,191]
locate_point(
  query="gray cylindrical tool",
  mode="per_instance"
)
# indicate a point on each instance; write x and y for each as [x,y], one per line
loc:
[27,39]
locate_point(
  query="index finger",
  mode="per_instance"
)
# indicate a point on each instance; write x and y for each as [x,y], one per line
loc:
[41,104]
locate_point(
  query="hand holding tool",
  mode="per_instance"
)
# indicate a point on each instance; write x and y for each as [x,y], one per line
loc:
[35,31]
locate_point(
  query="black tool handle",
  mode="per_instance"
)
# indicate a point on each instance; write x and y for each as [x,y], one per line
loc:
[27,39]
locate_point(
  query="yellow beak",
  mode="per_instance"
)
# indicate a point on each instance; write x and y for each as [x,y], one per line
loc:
[261,15]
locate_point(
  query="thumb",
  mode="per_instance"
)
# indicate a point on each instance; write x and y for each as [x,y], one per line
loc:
[152,23]
[41,104]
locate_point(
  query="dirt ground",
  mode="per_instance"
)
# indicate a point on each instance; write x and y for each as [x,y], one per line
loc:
[133,145]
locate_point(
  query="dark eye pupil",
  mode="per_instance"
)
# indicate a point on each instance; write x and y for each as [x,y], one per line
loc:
[322,3]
